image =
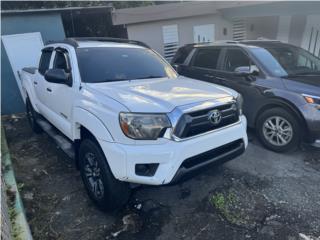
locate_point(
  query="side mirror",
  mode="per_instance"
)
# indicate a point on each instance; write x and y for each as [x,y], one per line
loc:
[247,71]
[58,76]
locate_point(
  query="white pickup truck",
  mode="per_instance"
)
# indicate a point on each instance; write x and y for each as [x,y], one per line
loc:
[125,116]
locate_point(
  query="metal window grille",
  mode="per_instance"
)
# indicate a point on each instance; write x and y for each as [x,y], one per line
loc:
[239,29]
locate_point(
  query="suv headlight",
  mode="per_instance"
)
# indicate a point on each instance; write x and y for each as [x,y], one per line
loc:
[239,100]
[314,100]
[144,126]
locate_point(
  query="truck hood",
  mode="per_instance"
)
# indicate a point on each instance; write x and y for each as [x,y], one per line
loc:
[160,94]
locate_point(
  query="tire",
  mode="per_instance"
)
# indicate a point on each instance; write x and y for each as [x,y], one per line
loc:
[32,118]
[103,188]
[285,137]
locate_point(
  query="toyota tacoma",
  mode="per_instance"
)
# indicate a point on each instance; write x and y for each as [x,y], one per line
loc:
[125,116]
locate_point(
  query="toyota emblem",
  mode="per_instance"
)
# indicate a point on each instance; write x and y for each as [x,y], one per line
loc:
[215,117]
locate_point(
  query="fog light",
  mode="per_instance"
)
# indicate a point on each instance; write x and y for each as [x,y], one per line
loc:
[146,169]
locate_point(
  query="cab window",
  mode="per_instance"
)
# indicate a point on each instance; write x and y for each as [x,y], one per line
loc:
[61,61]
[207,58]
[234,59]
[45,60]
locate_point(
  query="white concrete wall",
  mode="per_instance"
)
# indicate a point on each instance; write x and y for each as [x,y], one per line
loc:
[289,28]
[151,32]
[265,27]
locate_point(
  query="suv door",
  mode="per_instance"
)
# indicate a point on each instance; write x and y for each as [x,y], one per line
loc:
[233,59]
[60,97]
[204,64]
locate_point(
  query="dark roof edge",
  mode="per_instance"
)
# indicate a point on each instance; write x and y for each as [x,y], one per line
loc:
[44,10]
[74,41]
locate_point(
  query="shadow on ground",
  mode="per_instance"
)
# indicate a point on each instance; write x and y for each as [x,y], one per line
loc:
[259,195]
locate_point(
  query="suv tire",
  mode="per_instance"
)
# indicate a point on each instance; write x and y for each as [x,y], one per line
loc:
[103,188]
[32,117]
[279,130]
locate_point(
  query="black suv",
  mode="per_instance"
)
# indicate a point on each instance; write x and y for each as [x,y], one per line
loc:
[280,84]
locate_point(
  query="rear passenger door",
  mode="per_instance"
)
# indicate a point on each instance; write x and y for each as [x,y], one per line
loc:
[205,64]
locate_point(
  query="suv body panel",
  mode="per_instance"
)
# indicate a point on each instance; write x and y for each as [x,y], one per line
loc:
[265,90]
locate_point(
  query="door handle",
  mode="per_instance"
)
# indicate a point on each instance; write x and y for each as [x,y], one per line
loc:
[49,90]
[209,76]
[35,83]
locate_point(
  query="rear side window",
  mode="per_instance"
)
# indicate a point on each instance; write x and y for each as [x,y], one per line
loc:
[207,58]
[45,60]
[236,58]
[181,55]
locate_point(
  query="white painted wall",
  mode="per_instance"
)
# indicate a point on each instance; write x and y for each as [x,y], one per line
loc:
[151,32]
[284,28]
[311,35]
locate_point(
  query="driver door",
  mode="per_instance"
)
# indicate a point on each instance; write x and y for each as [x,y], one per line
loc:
[60,96]
[234,59]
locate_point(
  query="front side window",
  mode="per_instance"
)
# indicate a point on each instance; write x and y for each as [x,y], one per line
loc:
[106,64]
[207,58]
[45,60]
[288,60]
[235,58]
[61,61]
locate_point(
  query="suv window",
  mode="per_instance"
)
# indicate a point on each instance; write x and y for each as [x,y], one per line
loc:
[236,58]
[182,54]
[207,58]
[45,60]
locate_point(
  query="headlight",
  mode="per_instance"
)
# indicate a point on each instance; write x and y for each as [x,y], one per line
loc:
[142,126]
[239,100]
[314,100]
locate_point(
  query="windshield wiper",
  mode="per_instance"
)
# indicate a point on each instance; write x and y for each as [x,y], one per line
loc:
[151,76]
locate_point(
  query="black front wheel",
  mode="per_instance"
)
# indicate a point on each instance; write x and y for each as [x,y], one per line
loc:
[279,130]
[32,117]
[103,188]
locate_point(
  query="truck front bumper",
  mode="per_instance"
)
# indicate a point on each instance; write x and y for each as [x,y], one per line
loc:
[176,159]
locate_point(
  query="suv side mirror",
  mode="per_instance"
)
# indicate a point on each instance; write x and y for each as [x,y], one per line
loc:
[247,71]
[58,75]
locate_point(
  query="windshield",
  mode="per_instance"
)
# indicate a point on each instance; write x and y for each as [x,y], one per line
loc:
[288,60]
[106,64]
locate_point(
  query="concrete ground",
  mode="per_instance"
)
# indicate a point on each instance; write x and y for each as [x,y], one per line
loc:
[259,195]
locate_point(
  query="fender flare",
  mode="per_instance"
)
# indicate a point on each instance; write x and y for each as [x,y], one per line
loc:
[277,101]
[83,117]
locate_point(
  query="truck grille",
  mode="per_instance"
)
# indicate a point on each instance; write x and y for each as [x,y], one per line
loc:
[198,122]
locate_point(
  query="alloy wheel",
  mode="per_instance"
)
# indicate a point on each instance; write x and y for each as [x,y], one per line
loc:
[93,174]
[278,131]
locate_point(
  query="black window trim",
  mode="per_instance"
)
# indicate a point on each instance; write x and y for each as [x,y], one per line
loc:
[196,52]
[223,60]
[46,49]
[66,54]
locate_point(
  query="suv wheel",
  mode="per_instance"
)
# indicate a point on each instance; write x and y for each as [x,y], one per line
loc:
[279,130]
[103,188]
[32,117]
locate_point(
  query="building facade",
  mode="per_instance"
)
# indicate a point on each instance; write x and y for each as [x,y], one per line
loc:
[168,26]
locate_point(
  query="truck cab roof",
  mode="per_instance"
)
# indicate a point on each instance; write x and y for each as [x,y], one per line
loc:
[100,42]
